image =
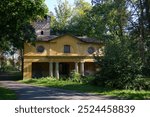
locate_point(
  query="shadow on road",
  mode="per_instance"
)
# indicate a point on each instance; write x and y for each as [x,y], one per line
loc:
[29,92]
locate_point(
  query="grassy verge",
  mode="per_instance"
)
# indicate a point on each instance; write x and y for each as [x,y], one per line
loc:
[6,94]
[69,85]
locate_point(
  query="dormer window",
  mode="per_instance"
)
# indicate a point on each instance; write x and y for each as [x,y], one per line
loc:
[42,32]
[66,48]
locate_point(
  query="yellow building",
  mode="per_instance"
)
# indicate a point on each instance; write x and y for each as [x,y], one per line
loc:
[57,56]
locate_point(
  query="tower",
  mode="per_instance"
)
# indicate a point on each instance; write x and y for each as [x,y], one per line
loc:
[42,27]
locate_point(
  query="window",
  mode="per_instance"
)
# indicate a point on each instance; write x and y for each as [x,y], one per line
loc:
[40,49]
[42,33]
[66,48]
[91,50]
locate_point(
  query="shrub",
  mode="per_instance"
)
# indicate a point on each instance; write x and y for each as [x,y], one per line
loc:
[133,84]
[75,76]
[141,84]
[88,79]
[7,68]
[120,66]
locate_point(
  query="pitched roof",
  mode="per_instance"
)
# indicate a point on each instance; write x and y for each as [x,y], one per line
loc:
[53,37]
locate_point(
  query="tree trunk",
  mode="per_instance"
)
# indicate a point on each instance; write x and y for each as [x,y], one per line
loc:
[147,11]
[22,65]
[141,30]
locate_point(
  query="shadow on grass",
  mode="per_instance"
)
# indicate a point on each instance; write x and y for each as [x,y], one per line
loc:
[69,85]
[119,94]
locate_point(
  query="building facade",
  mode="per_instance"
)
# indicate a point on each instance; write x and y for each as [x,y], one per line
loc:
[57,56]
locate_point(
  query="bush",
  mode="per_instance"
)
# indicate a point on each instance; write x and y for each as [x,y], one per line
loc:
[141,84]
[75,76]
[133,84]
[120,66]
[88,79]
[7,68]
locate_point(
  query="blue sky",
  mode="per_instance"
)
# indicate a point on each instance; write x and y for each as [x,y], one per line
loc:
[52,3]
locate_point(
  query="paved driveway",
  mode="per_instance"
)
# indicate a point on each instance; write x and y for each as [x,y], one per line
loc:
[29,92]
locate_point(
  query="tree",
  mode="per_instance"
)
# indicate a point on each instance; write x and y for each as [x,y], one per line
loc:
[63,15]
[15,21]
[139,30]
[78,23]
[121,64]
[70,19]
[81,8]
[16,17]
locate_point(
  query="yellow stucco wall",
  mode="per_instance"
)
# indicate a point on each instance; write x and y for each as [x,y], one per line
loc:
[27,71]
[54,52]
[55,47]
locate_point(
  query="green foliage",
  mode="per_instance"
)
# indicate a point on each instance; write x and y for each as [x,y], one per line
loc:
[120,67]
[82,87]
[70,19]
[63,14]
[7,94]
[7,68]
[122,64]
[138,84]
[88,79]
[7,65]
[75,76]
[79,19]
[15,21]
[139,28]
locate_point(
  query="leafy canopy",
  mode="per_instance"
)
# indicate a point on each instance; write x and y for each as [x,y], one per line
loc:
[16,17]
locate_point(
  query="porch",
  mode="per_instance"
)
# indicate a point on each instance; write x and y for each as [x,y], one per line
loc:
[61,69]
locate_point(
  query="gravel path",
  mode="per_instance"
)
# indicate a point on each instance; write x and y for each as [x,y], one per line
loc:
[29,92]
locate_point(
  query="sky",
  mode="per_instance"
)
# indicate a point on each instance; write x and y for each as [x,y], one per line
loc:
[53,3]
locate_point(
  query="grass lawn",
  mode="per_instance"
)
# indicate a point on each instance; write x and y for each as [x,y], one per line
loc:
[69,85]
[6,94]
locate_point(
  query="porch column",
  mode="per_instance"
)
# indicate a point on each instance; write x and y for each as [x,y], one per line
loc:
[57,70]
[50,69]
[82,68]
[76,67]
